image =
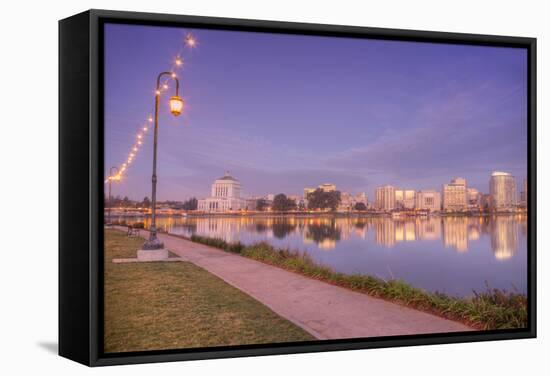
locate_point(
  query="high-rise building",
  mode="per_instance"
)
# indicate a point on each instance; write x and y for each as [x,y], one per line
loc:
[307,191]
[404,198]
[474,198]
[361,197]
[428,200]
[385,197]
[503,191]
[348,201]
[327,187]
[399,193]
[409,196]
[454,195]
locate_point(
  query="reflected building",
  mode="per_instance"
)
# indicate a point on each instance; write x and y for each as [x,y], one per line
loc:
[504,237]
[327,244]
[227,229]
[384,232]
[429,229]
[455,233]
[405,231]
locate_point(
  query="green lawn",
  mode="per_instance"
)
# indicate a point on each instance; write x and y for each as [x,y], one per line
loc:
[154,306]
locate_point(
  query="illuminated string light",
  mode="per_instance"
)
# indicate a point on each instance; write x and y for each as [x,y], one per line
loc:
[178,62]
[190,41]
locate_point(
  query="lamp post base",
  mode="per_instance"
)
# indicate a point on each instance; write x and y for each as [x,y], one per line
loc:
[152,255]
[152,244]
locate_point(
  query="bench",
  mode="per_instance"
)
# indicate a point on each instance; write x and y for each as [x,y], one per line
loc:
[132,232]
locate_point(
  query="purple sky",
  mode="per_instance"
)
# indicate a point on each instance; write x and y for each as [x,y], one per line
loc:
[284,112]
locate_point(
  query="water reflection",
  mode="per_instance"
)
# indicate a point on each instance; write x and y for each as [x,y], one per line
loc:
[455,232]
[415,249]
[504,238]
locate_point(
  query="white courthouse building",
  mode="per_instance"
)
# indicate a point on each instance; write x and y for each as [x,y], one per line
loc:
[225,195]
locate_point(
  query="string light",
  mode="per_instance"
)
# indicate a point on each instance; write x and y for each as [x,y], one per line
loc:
[189,42]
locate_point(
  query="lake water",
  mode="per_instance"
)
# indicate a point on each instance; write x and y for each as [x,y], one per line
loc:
[455,255]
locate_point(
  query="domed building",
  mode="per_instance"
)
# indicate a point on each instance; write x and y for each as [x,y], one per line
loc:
[225,195]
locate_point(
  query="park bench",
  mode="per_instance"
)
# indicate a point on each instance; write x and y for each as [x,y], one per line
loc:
[132,231]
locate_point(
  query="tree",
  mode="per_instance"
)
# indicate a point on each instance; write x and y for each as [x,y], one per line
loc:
[320,199]
[146,203]
[283,203]
[261,204]
[360,206]
[125,202]
[191,204]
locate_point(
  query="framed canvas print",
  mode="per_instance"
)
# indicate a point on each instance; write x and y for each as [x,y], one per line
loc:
[239,187]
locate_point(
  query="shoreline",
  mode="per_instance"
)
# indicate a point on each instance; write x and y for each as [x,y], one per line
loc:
[317,215]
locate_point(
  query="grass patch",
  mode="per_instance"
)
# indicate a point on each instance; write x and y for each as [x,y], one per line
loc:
[155,306]
[492,309]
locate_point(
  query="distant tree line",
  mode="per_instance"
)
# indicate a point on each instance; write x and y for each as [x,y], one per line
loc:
[283,203]
[125,202]
[317,199]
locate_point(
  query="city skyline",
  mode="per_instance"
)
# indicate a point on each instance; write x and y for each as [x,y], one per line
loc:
[291,111]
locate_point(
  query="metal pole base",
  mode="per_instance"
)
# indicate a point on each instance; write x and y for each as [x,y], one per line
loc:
[152,244]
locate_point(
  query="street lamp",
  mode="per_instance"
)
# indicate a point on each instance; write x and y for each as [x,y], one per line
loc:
[111,177]
[176,108]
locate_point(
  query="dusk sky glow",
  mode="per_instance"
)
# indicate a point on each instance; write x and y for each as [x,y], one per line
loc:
[284,112]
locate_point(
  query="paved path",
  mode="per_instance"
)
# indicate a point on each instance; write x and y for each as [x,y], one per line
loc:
[324,310]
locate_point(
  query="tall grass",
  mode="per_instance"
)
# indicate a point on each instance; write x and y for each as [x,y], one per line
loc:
[491,309]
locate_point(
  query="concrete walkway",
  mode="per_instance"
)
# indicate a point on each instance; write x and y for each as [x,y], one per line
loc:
[324,310]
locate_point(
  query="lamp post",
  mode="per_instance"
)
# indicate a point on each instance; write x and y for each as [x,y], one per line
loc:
[110,201]
[176,107]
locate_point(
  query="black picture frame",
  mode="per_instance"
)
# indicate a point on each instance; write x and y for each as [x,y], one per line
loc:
[81,185]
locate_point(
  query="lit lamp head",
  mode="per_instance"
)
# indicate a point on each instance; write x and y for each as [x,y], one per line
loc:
[176,105]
